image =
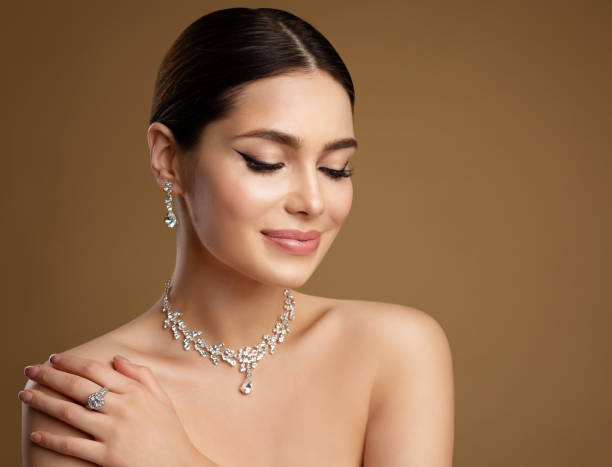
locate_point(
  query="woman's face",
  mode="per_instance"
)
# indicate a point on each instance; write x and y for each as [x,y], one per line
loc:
[230,203]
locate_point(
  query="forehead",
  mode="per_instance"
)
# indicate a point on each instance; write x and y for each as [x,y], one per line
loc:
[312,105]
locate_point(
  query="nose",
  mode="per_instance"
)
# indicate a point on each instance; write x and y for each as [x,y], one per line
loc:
[306,196]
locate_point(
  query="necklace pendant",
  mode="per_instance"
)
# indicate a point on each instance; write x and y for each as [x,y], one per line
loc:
[246,387]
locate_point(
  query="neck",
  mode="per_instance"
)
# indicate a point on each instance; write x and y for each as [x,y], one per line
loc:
[226,306]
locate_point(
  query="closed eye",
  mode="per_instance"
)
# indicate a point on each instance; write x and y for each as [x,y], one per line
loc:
[258,166]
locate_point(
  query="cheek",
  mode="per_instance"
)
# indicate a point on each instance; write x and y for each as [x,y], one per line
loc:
[339,202]
[239,197]
[229,209]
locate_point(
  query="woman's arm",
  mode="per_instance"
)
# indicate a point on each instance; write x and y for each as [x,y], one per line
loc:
[412,412]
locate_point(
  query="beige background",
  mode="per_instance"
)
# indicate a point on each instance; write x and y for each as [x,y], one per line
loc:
[482,196]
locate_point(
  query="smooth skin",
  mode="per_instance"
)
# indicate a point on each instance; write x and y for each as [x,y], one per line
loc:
[356,382]
[126,431]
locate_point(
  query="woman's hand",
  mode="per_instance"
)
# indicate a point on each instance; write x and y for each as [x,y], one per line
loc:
[137,426]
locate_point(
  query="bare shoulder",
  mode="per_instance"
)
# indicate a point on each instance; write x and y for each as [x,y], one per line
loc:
[390,327]
[411,415]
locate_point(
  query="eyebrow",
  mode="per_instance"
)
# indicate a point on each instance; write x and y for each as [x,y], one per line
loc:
[294,141]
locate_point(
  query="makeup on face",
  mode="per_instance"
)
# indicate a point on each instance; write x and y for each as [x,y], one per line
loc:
[294,241]
[294,142]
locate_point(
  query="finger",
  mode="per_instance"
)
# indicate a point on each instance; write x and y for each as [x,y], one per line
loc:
[73,386]
[142,374]
[87,449]
[73,414]
[93,371]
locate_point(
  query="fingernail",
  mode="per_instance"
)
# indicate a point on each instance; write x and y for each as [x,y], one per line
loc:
[35,436]
[25,396]
[121,357]
[53,358]
[30,370]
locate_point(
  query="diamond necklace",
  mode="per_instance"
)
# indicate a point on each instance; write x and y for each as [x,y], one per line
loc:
[247,356]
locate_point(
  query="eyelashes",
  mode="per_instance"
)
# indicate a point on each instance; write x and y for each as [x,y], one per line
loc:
[267,168]
[259,166]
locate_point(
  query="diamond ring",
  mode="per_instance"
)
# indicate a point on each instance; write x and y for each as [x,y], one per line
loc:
[95,401]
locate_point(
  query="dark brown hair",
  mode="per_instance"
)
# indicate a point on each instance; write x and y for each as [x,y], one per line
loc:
[215,56]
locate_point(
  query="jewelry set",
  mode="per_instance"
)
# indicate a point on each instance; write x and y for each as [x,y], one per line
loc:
[246,356]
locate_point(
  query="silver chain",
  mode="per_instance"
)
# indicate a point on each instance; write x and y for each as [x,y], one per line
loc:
[247,356]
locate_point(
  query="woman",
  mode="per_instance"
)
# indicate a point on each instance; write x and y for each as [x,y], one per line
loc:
[251,135]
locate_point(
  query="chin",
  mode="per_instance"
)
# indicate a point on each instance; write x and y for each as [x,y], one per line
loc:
[289,277]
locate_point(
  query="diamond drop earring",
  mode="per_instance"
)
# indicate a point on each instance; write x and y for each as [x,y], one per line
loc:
[170,220]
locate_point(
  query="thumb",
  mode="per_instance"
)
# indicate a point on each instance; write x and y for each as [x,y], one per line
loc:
[142,374]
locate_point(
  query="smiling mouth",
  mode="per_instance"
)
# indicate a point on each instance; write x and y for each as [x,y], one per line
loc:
[294,241]
[293,234]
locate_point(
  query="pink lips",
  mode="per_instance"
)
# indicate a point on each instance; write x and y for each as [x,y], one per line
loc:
[294,241]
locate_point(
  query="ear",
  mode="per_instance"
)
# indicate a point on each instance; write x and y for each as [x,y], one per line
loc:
[164,159]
